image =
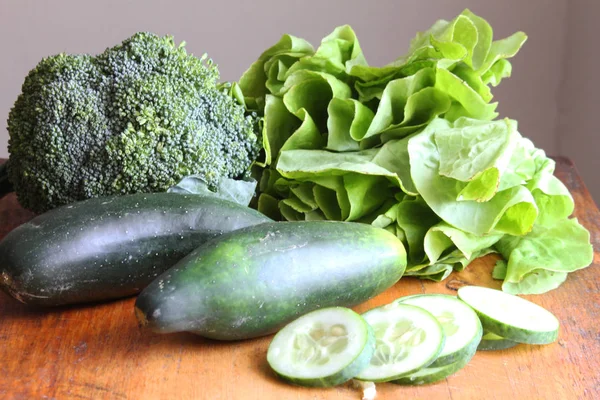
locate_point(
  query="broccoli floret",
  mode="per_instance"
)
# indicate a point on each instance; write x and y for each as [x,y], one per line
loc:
[136,118]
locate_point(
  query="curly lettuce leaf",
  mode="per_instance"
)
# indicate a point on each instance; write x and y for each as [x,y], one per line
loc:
[338,53]
[477,153]
[442,236]
[393,156]
[434,272]
[312,91]
[366,185]
[536,282]
[551,196]
[415,218]
[562,247]
[510,211]
[253,81]
[278,125]
[394,110]
[347,124]
[412,147]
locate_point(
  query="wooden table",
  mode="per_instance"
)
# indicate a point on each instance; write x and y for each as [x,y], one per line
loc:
[98,352]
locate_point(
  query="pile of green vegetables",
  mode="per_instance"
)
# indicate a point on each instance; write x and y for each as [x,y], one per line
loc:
[414,147]
[141,166]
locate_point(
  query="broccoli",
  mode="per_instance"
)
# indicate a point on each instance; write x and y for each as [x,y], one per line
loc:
[136,118]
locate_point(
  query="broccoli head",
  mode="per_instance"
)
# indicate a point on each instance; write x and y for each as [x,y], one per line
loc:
[136,118]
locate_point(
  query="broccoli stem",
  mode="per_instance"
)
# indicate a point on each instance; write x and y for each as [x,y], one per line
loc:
[5,186]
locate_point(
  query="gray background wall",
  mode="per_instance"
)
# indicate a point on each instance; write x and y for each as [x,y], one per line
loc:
[551,92]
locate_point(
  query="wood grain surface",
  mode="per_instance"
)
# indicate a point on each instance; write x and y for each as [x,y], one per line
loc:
[99,352]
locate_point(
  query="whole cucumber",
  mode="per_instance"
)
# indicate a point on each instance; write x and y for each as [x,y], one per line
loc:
[111,247]
[251,282]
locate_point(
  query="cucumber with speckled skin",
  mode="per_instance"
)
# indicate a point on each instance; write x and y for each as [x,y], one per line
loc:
[253,281]
[111,247]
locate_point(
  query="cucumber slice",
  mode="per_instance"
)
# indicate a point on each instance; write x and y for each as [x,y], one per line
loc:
[408,339]
[491,341]
[323,348]
[511,317]
[461,325]
[434,374]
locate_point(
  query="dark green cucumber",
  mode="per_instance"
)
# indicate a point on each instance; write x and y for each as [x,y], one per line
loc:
[111,247]
[253,281]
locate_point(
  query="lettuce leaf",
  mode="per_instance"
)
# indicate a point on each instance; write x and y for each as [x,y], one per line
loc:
[413,147]
[561,247]
[510,211]
[442,236]
[253,82]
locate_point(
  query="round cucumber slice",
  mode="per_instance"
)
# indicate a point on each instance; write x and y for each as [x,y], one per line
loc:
[461,325]
[434,374]
[408,338]
[323,348]
[491,341]
[511,317]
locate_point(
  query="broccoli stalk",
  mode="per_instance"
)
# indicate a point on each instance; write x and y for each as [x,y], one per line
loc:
[137,118]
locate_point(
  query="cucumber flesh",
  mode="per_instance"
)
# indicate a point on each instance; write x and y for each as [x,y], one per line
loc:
[408,338]
[323,348]
[491,341]
[511,317]
[461,325]
[434,374]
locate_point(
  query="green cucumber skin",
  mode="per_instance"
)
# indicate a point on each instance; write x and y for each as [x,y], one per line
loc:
[466,352]
[495,344]
[491,341]
[515,334]
[252,282]
[435,374]
[112,247]
[344,375]
[506,331]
